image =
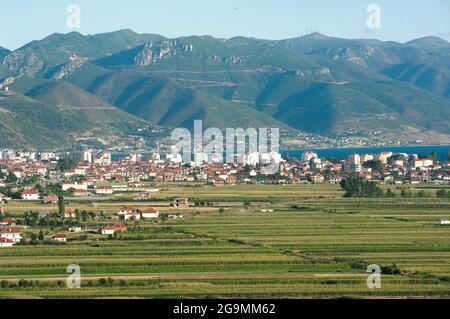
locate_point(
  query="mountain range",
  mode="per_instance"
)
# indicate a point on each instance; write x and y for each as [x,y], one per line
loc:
[68,86]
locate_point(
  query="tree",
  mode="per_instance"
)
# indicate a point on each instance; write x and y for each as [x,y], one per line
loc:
[421,194]
[11,178]
[66,164]
[356,186]
[390,193]
[41,235]
[61,208]
[374,165]
[391,270]
[442,193]
[31,219]
[404,193]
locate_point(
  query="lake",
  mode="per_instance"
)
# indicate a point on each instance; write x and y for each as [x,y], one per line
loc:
[442,151]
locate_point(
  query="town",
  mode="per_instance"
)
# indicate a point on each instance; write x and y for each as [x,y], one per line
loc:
[60,179]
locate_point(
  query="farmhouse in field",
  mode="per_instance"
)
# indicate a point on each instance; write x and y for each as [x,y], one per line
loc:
[445,221]
[75,229]
[69,213]
[11,233]
[51,199]
[7,222]
[104,190]
[59,238]
[127,210]
[5,242]
[30,194]
[111,230]
[150,213]
[131,215]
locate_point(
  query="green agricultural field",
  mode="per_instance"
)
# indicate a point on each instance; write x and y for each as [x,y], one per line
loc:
[297,241]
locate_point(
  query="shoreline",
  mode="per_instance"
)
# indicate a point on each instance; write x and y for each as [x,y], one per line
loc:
[361,147]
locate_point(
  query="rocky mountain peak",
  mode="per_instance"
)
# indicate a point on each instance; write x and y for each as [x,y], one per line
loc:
[155,51]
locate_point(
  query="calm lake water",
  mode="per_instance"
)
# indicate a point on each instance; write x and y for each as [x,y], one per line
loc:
[442,151]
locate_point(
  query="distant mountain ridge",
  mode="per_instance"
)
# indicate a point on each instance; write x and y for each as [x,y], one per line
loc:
[315,83]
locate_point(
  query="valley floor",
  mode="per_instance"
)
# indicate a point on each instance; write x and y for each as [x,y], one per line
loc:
[297,241]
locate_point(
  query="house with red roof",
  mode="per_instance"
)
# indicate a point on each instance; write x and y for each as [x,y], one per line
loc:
[30,194]
[59,238]
[132,215]
[150,213]
[8,222]
[111,230]
[69,213]
[104,190]
[126,210]
[51,199]
[11,233]
[5,242]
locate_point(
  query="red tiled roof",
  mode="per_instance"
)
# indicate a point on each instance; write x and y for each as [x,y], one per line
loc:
[151,210]
[7,220]
[118,227]
[9,230]
[30,192]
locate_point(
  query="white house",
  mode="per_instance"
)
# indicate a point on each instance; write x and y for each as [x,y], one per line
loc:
[69,213]
[119,187]
[30,194]
[126,210]
[111,230]
[7,222]
[422,163]
[104,190]
[5,242]
[11,234]
[108,231]
[150,213]
[445,221]
[60,238]
[75,229]
[130,215]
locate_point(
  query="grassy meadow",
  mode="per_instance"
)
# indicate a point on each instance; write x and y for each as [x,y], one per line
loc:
[296,241]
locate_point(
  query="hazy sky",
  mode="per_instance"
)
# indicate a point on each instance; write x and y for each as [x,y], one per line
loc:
[401,20]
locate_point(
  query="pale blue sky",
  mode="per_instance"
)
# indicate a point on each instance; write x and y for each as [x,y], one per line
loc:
[24,20]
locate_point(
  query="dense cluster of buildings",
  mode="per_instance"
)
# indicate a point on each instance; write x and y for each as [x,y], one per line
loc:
[386,167]
[95,173]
